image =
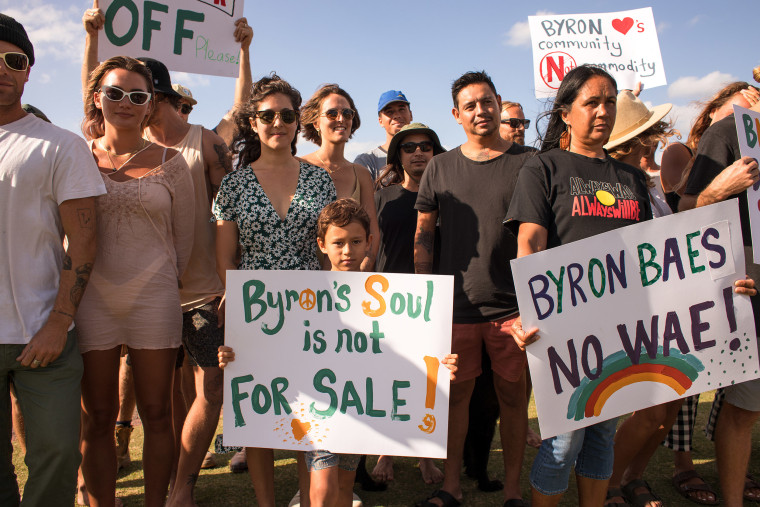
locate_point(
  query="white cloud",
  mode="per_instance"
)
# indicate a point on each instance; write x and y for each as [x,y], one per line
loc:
[696,19]
[699,87]
[44,78]
[519,33]
[662,26]
[53,30]
[190,80]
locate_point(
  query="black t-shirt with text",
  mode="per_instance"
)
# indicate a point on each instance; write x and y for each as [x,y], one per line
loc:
[575,197]
[471,199]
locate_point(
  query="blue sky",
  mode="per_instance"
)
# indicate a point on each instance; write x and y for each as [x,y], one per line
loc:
[419,47]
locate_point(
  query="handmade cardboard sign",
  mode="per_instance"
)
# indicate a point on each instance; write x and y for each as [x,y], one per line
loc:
[346,362]
[636,317]
[623,43]
[185,35]
[748,129]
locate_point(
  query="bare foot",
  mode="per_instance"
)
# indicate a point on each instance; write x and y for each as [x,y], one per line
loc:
[383,471]
[82,496]
[533,439]
[431,474]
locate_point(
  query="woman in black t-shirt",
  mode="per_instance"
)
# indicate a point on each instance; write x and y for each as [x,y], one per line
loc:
[558,200]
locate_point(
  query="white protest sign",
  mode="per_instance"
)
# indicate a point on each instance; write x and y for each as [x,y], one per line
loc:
[185,35]
[623,43]
[747,130]
[347,362]
[636,317]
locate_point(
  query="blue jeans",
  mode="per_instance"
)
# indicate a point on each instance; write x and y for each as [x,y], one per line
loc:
[50,403]
[590,449]
[319,460]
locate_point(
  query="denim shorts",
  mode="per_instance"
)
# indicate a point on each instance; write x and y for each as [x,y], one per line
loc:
[320,459]
[590,449]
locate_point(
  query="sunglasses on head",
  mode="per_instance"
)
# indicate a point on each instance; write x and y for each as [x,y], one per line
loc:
[267,116]
[15,61]
[332,114]
[411,147]
[516,122]
[185,108]
[116,94]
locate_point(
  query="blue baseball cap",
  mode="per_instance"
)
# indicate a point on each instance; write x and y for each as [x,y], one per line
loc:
[390,96]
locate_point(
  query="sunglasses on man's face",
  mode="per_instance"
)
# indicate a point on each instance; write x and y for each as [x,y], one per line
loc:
[411,147]
[267,116]
[185,108]
[15,61]
[116,94]
[332,114]
[516,122]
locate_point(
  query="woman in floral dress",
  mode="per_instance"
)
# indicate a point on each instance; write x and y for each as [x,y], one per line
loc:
[269,207]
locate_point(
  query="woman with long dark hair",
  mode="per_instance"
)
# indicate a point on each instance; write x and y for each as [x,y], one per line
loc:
[541,214]
[268,208]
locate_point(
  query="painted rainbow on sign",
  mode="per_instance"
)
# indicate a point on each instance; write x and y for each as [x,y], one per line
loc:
[677,371]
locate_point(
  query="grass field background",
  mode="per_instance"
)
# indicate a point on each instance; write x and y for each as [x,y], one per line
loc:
[218,486]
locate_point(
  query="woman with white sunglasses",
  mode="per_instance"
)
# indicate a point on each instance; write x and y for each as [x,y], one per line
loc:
[145,233]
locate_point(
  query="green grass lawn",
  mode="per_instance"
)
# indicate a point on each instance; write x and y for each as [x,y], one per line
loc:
[220,487]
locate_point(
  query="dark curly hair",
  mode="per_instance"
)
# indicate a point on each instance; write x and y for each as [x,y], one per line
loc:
[246,143]
[566,95]
[93,124]
[313,108]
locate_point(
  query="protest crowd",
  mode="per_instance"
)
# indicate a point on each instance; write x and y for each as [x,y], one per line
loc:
[127,313]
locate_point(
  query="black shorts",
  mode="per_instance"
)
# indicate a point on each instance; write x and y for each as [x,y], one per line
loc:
[201,336]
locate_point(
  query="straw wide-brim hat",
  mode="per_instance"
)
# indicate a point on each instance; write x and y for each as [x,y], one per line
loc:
[185,93]
[633,118]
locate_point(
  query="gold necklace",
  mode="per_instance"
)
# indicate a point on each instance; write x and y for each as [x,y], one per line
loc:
[132,155]
[324,164]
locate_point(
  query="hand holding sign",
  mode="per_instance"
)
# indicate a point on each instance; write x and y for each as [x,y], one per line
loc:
[243,33]
[93,19]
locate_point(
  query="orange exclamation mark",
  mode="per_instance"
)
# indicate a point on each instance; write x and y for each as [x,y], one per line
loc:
[428,422]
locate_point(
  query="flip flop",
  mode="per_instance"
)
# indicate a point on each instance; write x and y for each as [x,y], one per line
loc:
[641,499]
[688,490]
[445,497]
[751,483]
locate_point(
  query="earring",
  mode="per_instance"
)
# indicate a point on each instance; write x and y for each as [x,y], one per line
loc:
[317,130]
[564,139]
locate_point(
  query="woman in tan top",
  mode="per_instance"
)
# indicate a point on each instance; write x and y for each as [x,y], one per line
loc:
[329,120]
[145,233]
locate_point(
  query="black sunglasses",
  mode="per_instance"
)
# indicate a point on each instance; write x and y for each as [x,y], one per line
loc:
[516,122]
[332,114]
[185,108]
[267,116]
[116,94]
[411,147]
[15,61]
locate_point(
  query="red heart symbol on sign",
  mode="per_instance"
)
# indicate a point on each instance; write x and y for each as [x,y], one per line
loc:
[622,25]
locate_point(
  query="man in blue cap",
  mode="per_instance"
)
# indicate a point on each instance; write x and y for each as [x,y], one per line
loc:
[393,113]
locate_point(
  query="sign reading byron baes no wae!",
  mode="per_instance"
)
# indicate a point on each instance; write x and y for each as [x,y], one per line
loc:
[636,317]
[348,362]
[623,43]
[185,35]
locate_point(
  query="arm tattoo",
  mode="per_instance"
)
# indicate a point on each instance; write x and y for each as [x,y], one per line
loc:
[85,218]
[223,157]
[67,262]
[83,276]
[425,239]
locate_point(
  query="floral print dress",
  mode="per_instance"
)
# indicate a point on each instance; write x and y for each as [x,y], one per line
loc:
[266,241]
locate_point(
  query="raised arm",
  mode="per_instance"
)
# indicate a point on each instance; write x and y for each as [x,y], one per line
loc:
[243,35]
[424,242]
[93,20]
[78,220]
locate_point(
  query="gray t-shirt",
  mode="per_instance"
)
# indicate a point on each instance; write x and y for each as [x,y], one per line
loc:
[471,199]
[374,160]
